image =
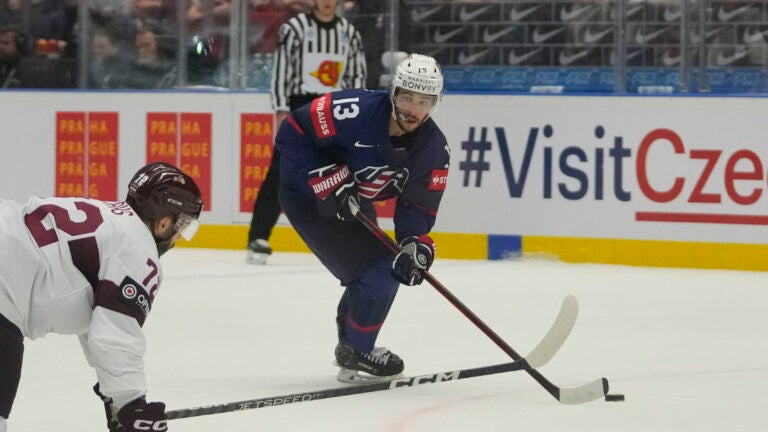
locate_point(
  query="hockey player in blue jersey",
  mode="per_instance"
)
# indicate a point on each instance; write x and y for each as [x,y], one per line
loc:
[367,146]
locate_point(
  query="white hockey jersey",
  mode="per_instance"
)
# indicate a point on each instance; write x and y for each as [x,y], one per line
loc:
[83,267]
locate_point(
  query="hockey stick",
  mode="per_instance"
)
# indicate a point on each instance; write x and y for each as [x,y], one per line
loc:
[314,395]
[574,395]
[539,356]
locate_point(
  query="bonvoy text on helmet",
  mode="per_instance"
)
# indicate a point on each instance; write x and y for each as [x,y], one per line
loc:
[422,88]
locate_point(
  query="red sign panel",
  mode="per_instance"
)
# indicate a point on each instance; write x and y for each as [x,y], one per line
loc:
[70,154]
[256,147]
[184,140]
[102,155]
[195,146]
[163,137]
[385,209]
[86,154]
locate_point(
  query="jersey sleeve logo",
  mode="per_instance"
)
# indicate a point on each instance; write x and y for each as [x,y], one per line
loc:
[320,112]
[129,291]
[439,180]
[133,295]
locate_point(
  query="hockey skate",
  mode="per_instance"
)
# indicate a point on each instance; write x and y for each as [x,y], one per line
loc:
[258,252]
[377,365]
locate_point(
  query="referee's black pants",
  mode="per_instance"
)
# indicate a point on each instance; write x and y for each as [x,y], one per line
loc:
[266,208]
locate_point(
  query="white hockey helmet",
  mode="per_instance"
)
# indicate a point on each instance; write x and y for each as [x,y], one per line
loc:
[421,74]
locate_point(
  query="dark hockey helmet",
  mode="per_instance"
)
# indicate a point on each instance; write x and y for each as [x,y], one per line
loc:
[160,189]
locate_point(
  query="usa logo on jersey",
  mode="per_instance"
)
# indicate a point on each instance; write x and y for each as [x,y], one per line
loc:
[372,181]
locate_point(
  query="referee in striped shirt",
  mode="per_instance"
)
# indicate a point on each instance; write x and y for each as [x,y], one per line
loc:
[318,52]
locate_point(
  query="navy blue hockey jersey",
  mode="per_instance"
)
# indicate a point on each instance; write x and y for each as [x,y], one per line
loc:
[352,127]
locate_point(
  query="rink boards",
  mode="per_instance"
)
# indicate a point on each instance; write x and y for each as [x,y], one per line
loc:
[643,180]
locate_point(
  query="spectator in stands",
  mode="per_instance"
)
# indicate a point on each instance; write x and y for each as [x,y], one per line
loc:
[116,15]
[50,24]
[10,12]
[147,48]
[155,11]
[158,13]
[265,18]
[41,19]
[32,16]
[108,59]
[62,25]
[151,68]
[218,14]
[13,46]
[208,21]
[109,8]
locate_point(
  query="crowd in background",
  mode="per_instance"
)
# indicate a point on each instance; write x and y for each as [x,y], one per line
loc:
[156,44]
[132,44]
[160,44]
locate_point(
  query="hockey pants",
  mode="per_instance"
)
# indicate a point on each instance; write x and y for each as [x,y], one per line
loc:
[365,304]
[11,356]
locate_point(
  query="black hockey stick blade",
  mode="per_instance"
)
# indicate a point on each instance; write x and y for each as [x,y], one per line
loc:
[539,356]
[576,395]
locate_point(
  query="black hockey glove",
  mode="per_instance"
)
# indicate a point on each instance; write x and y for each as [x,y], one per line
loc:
[136,416]
[416,256]
[334,187]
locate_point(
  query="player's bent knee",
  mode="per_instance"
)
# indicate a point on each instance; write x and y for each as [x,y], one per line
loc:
[377,281]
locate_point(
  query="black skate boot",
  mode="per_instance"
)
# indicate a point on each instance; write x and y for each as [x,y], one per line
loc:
[258,251]
[377,365]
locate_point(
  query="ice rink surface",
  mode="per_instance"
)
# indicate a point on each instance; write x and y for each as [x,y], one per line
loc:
[688,348]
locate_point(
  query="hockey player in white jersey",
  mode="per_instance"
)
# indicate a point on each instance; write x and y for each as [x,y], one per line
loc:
[91,268]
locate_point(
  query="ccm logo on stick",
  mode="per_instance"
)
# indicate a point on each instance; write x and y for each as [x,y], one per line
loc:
[151,425]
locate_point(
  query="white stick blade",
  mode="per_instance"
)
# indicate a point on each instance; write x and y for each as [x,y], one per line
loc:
[556,335]
[585,393]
